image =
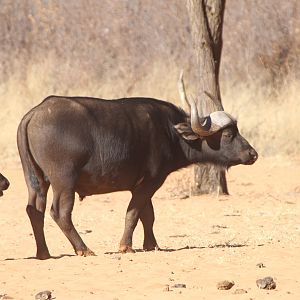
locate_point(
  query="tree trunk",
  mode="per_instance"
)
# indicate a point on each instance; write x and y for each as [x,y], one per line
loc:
[206,20]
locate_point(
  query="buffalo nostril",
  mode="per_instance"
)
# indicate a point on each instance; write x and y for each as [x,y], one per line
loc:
[253,154]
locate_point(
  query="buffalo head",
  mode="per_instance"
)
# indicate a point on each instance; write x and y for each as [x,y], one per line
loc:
[218,138]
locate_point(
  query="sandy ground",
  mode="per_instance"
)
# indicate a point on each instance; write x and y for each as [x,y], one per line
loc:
[204,240]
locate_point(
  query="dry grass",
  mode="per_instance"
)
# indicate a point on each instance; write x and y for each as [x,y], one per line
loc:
[271,124]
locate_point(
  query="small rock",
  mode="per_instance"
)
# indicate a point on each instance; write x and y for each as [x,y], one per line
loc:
[266,283]
[260,265]
[44,295]
[179,286]
[225,285]
[240,291]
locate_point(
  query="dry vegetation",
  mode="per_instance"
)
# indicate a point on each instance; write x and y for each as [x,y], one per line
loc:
[122,48]
[117,48]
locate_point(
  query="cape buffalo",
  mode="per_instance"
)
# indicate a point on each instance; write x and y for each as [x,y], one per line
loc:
[4,184]
[94,146]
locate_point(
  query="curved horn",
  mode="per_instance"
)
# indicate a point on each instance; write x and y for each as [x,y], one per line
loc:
[201,128]
[182,91]
[210,124]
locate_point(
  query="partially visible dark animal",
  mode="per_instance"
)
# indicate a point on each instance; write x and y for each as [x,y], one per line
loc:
[4,184]
[93,146]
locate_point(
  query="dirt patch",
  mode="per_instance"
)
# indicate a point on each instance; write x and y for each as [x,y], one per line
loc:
[198,237]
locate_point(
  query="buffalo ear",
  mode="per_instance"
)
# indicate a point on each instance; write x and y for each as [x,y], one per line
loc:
[185,130]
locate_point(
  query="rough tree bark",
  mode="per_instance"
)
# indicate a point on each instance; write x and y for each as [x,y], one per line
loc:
[206,21]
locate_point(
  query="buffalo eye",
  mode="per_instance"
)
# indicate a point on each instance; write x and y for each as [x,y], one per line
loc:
[227,136]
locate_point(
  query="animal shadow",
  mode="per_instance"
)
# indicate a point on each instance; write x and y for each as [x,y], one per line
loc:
[225,245]
[33,257]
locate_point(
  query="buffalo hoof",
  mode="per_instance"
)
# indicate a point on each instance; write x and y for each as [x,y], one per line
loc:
[151,248]
[126,249]
[43,256]
[85,253]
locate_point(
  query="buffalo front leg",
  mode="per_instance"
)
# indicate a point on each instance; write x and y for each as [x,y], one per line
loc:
[131,219]
[36,213]
[147,218]
[141,199]
[61,212]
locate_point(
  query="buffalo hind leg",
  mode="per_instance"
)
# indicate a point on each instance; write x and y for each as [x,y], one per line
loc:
[61,212]
[36,213]
[147,218]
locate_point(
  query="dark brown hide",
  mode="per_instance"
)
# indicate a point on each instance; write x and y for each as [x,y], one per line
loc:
[93,146]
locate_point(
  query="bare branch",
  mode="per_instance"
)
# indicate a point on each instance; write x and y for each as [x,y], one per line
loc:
[214,99]
[182,91]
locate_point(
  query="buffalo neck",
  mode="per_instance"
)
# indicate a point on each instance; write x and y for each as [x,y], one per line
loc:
[185,154]
[191,153]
